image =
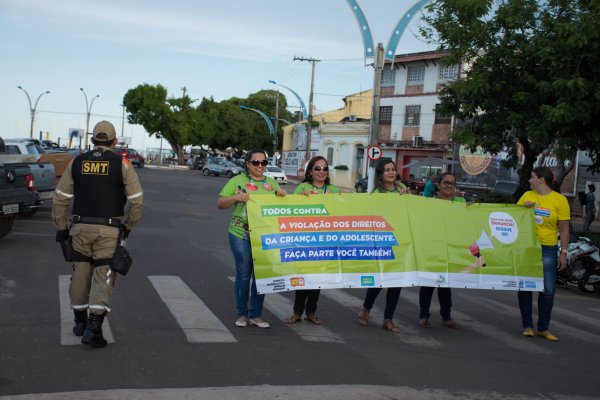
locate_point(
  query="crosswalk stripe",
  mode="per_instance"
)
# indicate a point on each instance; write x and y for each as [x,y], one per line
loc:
[562,327]
[515,341]
[67,337]
[282,308]
[575,316]
[198,323]
[594,309]
[409,334]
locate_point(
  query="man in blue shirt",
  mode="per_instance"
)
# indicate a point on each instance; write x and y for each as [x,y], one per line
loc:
[590,212]
[430,187]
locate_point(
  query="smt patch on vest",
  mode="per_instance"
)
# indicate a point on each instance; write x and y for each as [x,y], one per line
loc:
[94,167]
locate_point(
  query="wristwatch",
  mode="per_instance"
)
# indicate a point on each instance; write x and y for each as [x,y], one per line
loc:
[563,251]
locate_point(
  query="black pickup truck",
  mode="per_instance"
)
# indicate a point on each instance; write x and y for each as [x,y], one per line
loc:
[17,191]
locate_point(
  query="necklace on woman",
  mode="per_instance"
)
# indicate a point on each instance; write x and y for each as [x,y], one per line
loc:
[316,189]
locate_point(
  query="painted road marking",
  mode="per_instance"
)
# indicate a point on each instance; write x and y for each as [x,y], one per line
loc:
[410,335]
[282,308]
[196,320]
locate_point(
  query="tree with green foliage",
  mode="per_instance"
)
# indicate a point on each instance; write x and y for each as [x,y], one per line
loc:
[220,125]
[172,118]
[225,124]
[531,76]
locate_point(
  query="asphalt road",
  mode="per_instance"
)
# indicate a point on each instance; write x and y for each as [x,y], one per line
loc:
[182,255]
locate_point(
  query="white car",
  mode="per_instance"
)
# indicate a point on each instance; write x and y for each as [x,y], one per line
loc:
[276,173]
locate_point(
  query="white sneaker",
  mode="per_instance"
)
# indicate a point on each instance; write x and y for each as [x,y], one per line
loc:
[259,322]
[242,322]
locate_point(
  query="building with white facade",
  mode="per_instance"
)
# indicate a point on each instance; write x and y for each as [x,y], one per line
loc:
[409,127]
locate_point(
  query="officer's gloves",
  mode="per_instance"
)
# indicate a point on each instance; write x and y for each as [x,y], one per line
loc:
[125,232]
[63,235]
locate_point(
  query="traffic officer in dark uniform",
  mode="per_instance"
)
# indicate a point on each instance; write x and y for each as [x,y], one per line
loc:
[100,183]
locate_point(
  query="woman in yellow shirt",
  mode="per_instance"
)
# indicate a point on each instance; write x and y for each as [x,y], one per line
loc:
[551,215]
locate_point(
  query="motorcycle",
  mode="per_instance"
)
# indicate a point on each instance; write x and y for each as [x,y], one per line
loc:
[583,270]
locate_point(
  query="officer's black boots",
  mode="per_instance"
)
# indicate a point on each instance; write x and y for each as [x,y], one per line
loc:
[81,317]
[93,332]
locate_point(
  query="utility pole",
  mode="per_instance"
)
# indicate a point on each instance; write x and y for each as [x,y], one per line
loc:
[123,121]
[310,105]
[373,133]
[275,136]
[184,90]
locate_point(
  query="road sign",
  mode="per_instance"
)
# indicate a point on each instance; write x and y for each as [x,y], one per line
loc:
[374,152]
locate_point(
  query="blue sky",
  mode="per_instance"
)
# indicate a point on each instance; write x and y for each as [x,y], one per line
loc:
[213,48]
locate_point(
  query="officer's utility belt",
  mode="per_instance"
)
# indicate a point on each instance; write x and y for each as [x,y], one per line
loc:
[115,222]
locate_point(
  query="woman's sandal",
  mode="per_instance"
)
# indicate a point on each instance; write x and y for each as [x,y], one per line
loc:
[424,323]
[363,316]
[293,319]
[450,324]
[314,319]
[389,325]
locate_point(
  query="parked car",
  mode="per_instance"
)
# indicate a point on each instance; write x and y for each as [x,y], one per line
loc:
[220,166]
[276,173]
[28,147]
[30,152]
[361,185]
[197,162]
[133,156]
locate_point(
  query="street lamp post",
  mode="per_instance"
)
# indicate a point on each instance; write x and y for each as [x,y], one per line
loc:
[305,115]
[32,109]
[265,117]
[88,110]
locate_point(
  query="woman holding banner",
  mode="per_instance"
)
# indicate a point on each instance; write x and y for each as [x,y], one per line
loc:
[551,215]
[446,192]
[236,193]
[385,182]
[316,181]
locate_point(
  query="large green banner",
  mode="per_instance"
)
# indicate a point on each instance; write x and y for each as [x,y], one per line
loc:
[385,240]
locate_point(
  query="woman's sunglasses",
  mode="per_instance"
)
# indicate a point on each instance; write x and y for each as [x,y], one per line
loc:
[256,163]
[319,168]
[449,183]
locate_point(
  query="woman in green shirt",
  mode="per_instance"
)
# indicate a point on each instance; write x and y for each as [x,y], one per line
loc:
[316,181]
[385,182]
[236,193]
[446,192]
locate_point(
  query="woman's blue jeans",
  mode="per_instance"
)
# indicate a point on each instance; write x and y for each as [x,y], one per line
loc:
[545,298]
[244,273]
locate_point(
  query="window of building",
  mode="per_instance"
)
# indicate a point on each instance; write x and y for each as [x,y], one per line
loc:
[385,114]
[412,116]
[329,155]
[415,75]
[448,73]
[441,118]
[388,77]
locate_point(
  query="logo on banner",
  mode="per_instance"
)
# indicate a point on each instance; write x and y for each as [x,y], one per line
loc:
[298,281]
[367,281]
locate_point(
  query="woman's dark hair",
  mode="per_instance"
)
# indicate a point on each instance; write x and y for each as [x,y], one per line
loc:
[592,188]
[546,173]
[445,174]
[249,155]
[379,170]
[307,174]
